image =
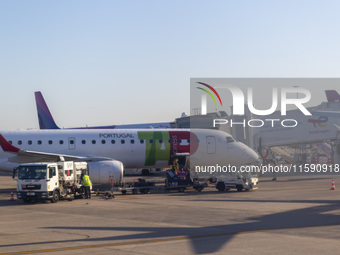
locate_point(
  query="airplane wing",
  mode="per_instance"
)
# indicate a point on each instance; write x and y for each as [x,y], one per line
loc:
[25,156]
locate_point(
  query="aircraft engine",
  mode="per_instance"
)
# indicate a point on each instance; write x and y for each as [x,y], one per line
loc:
[101,172]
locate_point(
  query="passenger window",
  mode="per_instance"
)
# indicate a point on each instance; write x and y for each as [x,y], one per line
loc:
[83,142]
[113,141]
[188,140]
[122,141]
[10,141]
[103,141]
[61,142]
[93,141]
[170,140]
[50,142]
[179,141]
[151,141]
[19,142]
[39,142]
[160,141]
[141,141]
[29,142]
[71,141]
[132,141]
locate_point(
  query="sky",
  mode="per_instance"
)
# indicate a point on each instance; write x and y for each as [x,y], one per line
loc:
[121,62]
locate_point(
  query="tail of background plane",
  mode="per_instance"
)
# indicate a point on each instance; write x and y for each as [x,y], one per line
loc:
[46,120]
[332,96]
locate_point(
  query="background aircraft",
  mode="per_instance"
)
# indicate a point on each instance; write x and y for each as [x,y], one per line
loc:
[46,120]
[332,96]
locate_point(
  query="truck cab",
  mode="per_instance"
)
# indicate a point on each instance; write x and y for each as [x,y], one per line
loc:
[49,180]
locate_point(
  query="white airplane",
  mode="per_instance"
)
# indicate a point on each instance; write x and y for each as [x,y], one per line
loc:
[108,152]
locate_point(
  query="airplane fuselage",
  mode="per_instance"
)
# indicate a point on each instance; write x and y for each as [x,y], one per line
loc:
[134,148]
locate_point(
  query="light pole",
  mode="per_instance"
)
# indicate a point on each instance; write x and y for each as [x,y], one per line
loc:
[297,93]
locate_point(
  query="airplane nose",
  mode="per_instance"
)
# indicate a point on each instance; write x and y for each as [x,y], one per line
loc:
[249,155]
[253,156]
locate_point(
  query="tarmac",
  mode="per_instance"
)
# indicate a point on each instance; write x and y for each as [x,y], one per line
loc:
[289,216]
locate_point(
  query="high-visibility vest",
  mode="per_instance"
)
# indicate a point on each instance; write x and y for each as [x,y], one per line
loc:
[86,180]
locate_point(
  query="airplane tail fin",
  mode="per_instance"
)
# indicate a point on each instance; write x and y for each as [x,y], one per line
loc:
[46,120]
[332,96]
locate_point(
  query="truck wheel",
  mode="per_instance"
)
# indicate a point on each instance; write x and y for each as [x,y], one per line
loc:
[181,189]
[124,192]
[220,186]
[55,197]
[239,188]
[199,189]
[134,191]
[82,192]
[26,200]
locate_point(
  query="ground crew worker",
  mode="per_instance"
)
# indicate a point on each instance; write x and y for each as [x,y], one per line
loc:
[175,165]
[87,186]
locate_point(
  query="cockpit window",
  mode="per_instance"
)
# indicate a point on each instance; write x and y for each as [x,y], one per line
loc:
[230,139]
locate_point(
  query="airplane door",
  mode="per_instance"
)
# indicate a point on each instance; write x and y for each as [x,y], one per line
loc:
[72,143]
[211,144]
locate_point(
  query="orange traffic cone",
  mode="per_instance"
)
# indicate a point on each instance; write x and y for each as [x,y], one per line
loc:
[333,185]
[12,197]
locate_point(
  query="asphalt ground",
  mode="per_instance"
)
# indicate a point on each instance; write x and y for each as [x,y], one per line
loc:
[296,215]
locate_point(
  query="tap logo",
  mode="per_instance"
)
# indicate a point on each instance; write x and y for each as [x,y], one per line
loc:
[319,121]
[204,97]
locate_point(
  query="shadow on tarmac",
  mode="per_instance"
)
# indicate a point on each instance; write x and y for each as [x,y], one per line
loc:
[201,237]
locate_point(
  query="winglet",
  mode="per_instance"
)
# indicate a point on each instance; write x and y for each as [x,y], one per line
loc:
[6,146]
[46,120]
